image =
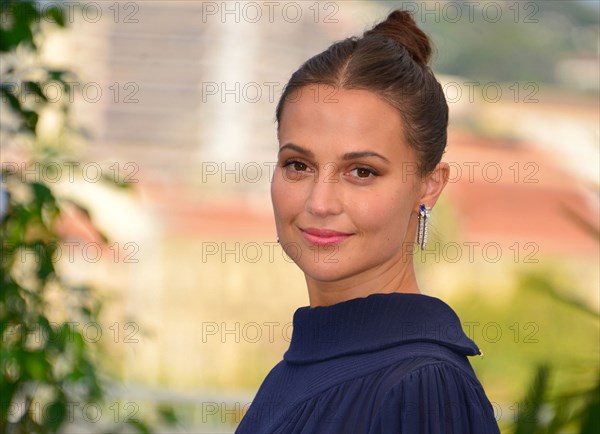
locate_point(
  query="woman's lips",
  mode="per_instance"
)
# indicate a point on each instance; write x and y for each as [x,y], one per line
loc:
[323,237]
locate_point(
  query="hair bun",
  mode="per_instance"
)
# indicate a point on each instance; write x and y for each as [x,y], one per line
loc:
[401,27]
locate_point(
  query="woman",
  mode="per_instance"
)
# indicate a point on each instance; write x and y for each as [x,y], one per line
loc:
[362,129]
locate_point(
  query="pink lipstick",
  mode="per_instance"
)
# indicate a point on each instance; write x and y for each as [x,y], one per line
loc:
[323,237]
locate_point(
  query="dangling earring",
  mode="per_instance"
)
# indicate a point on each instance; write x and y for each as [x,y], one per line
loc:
[423,219]
[277,239]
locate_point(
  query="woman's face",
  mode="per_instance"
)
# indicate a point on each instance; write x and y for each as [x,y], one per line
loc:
[343,165]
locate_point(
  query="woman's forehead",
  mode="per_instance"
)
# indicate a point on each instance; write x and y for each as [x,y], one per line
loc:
[337,100]
[345,121]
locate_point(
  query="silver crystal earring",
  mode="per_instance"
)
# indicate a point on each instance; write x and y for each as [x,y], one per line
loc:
[424,213]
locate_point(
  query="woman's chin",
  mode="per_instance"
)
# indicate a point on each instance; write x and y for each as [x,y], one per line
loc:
[323,272]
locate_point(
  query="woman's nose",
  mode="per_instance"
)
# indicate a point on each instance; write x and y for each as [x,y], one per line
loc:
[324,196]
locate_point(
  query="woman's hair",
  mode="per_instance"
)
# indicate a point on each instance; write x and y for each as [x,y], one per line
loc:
[390,60]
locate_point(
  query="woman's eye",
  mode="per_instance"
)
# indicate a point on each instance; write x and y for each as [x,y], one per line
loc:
[295,170]
[363,172]
[298,166]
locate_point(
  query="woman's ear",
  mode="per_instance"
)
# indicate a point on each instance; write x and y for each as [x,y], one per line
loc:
[433,184]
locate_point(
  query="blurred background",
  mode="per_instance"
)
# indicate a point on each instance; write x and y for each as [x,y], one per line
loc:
[169,143]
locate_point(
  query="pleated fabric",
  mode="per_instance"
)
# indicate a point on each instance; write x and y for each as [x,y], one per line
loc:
[386,363]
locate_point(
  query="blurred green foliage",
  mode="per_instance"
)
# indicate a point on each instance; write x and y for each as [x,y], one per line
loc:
[540,344]
[47,367]
[574,407]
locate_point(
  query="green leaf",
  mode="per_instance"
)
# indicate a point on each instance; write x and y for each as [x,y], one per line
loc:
[30,120]
[529,408]
[36,365]
[54,415]
[78,344]
[57,75]
[45,266]
[5,43]
[57,15]
[46,329]
[13,101]
[42,193]
[590,422]
[33,87]
[167,414]
[22,14]
[140,426]
[63,336]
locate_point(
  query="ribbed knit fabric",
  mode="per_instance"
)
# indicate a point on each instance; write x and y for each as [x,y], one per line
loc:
[385,363]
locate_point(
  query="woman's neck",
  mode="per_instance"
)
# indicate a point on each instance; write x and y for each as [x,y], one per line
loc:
[398,277]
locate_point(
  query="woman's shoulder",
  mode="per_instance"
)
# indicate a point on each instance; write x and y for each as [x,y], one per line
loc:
[433,394]
[429,367]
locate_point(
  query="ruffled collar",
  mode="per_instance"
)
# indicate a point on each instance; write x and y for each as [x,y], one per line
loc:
[372,323]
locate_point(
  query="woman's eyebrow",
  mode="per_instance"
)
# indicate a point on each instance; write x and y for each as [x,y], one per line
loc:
[296,148]
[360,154]
[346,156]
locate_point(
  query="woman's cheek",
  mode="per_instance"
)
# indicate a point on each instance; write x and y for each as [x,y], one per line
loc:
[279,186]
[371,210]
[286,195]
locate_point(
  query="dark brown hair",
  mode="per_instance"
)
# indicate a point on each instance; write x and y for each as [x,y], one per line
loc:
[390,60]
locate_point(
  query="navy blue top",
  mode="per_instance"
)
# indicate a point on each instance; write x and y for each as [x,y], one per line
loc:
[385,363]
